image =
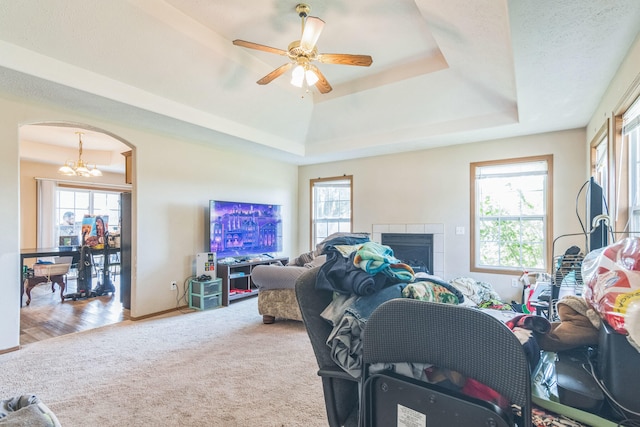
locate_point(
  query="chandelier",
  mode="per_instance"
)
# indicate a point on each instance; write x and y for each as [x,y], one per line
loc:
[79,168]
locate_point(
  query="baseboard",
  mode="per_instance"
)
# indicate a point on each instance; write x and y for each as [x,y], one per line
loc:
[9,350]
[159,313]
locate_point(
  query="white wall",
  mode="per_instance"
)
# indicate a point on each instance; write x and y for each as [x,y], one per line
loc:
[433,186]
[622,90]
[9,226]
[173,183]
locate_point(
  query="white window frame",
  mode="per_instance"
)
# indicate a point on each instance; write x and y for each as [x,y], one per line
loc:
[545,216]
[330,224]
[600,153]
[109,207]
[51,212]
[631,139]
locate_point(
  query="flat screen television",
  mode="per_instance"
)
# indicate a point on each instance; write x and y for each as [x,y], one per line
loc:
[241,229]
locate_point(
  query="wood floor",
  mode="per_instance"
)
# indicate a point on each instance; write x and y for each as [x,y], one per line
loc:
[48,317]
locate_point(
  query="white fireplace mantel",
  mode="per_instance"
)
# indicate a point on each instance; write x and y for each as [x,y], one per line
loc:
[438,239]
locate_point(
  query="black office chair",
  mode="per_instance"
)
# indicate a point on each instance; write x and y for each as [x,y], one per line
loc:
[340,389]
[462,339]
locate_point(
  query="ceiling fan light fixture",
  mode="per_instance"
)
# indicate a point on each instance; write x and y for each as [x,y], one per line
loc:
[297,76]
[311,77]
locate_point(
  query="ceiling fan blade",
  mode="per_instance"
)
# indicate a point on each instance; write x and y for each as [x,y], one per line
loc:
[275,73]
[322,84]
[312,29]
[257,46]
[345,59]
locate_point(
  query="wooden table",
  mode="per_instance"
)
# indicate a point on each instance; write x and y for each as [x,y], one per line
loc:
[64,251]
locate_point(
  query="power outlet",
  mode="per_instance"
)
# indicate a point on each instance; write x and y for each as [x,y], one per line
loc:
[515,283]
[173,286]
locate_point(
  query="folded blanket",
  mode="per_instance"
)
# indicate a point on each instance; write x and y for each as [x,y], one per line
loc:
[375,258]
[339,274]
[436,280]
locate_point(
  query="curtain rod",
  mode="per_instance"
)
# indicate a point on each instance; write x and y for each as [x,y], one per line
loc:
[86,184]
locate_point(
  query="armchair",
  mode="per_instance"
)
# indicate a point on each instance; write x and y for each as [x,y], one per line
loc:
[276,289]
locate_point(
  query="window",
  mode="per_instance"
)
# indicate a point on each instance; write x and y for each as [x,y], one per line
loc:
[631,138]
[72,204]
[600,159]
[331,207]
[511,202]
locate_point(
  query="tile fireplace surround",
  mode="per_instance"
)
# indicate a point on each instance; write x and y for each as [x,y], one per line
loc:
[438,239]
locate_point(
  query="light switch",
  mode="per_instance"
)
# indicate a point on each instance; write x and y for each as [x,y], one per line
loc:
[459,230]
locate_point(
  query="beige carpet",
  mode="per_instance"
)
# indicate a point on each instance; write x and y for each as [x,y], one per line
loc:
[221,367]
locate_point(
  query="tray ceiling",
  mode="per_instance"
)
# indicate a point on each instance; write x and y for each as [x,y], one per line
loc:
[444,71]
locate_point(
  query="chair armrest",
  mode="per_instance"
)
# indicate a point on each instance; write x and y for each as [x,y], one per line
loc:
[337,373]
[341,396]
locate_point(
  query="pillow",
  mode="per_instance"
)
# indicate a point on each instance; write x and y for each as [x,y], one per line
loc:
[316,262]
[303,259]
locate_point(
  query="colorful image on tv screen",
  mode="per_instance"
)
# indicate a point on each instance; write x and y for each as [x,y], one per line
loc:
[241,229]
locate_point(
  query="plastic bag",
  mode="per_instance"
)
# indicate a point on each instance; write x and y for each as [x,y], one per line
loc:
[612,281]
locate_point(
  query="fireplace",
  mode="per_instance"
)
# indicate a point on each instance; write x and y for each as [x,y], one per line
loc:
[413,249]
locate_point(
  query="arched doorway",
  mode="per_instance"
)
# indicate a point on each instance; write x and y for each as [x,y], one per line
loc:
[44,147]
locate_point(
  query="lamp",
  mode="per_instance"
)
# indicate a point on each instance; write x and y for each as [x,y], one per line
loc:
[311,77]
[297,75]
[79,168]
[302,72]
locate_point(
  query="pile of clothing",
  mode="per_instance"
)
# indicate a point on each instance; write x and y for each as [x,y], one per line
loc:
[363,276]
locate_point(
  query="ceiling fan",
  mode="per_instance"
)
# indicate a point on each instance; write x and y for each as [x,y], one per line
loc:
[303,53]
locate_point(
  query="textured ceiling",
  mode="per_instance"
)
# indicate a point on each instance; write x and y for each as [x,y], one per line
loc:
[444,71]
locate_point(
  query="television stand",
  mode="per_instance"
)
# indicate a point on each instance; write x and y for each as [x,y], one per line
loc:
[236,278]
